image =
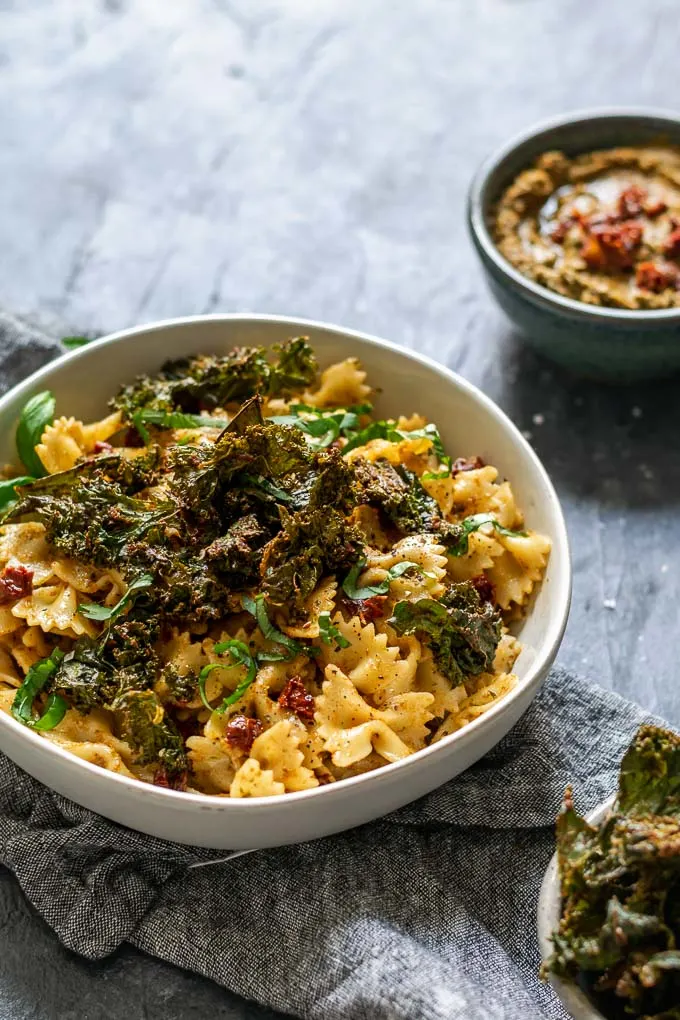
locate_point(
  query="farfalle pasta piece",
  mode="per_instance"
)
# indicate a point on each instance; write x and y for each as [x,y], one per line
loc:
[25,545]
[483,551]
[374,666]
[61,445]
[519,568]
[489,690]
[411,453]
[54,608]
[251,780]
[277,750]
[322,600]
[351,728]
[99,431]
[212,764]
[342,385]
[478,491]
[423,550]
[445,697]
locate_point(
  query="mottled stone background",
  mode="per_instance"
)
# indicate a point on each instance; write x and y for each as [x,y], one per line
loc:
[311,157]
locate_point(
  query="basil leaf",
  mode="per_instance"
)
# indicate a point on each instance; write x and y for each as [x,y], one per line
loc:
[240,653]
[8,493]
[321,427]
[349,585]
[74,342]
[93,611]
[35,681]
[458,543]
[37,414]
[257,608]
[329,633]
[55,710]
[173,420]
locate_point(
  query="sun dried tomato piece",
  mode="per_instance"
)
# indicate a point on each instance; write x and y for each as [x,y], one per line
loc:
[242,731]
[15,583]
[102,447]
[174,782]
[466,464]
[656,278]
[631,202]
[485,588]
[371,609]
[671,248]
[611,246]
[296,698]
[655,208]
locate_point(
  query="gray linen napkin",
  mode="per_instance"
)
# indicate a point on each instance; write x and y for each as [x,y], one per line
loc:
[428,914]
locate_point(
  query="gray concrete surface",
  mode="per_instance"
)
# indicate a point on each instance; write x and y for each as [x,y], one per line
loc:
[311,157]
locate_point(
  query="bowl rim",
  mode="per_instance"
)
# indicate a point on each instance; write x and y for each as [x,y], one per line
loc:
[561,593]
[478,206]
[548,911]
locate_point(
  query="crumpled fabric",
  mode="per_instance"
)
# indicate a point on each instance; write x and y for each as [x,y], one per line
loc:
[426,914]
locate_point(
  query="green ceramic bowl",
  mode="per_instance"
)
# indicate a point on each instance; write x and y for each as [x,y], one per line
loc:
[604,343]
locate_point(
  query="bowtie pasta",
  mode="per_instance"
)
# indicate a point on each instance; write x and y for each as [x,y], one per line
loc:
[241,582]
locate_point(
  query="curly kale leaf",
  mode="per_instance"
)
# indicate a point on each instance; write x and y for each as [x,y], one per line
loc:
[462,632]
[649,779]
[205,382]
[237,554]
[620,884]
[312,543]
[397,492]
[90,519]
[153,736]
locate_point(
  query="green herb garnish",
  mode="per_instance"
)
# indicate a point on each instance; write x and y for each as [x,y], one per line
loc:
[34,683]
[349,585]
[93,611]
[256,607]
[173,420]
[8,493]
[240,653]
[37,414]
[457,536]
[329,633]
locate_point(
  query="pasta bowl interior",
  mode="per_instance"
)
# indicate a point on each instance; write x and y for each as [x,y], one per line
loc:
[258,596]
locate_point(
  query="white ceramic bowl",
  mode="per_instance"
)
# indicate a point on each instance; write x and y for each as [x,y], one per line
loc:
[577,1002]
[470,423]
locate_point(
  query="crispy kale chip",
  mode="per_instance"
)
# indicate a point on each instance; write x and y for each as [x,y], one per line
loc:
[397,492]
[620,881]
[462,631]
[145,725]
[205,382]
[313,542]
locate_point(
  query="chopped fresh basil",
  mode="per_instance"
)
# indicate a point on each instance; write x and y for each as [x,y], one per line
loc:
[349,585]
[8,493]
[173,420]
[257,608]
[321,427]
[74,342]
[93,611]
[37,414]
[35,681]
[240,653]
[329,633]
[458,540]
